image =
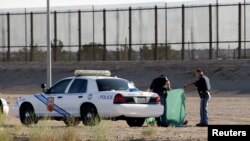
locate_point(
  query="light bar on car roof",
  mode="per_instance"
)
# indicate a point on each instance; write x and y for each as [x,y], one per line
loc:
[92,73]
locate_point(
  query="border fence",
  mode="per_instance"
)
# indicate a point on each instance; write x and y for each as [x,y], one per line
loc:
[159,32]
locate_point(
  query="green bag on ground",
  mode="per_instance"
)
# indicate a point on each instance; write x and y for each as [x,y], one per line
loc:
[176,109]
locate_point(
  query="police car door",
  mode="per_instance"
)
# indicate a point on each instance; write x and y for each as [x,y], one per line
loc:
[75,96]
[55,97]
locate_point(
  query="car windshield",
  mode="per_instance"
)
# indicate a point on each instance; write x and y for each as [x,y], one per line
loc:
[112,84]
[132,88]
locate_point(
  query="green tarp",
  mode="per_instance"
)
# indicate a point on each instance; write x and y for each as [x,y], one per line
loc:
[176,110]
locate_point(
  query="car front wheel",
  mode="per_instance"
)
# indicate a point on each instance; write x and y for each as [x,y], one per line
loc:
[27,116]
[135,122]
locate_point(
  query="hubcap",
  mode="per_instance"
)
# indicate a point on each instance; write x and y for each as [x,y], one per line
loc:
[89,116]
[27,114]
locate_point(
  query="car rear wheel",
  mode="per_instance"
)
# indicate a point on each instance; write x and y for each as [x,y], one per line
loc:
[89,115]
[71,121]
[27,116]
[135,122]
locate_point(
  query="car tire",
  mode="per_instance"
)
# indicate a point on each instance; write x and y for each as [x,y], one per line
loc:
[89,115]
[27,116]
[71,121]
[135,122]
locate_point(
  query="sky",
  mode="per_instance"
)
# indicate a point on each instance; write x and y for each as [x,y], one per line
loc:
[55,3]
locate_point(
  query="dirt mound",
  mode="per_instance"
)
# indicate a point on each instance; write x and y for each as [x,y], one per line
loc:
[226,75]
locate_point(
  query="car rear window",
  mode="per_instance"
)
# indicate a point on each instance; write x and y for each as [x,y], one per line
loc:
[112,84]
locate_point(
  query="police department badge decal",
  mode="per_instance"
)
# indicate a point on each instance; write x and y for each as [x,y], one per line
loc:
[90,96]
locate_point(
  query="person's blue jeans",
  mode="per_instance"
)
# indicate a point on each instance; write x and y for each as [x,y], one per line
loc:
[162,120]
[204,108]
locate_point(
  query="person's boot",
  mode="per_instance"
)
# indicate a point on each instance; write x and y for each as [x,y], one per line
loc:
[185,122]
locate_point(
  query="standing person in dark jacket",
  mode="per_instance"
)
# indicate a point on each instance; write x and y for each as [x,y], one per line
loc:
[203,87]
[161,85]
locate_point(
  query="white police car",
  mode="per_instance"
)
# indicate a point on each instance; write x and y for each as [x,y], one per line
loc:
[4,108]
[88,99]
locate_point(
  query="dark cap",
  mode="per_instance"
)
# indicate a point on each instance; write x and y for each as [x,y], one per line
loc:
[198,70]
[162,75]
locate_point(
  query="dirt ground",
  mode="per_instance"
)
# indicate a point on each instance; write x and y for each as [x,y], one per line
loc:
[224,108]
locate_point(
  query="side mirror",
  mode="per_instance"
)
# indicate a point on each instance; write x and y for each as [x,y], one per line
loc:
[43,86]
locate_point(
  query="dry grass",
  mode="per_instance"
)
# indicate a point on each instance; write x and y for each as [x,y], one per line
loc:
[2,117]
[149,131]
[50,134]
[70,134]
[5,135]
[100,132]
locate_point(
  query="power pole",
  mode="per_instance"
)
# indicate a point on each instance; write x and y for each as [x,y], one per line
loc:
[217,29]
[49,78]
[245,31]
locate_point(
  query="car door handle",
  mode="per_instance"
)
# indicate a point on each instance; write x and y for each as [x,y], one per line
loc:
[59,97]
[80,96]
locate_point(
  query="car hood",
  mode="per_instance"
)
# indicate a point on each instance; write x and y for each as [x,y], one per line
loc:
[26,97]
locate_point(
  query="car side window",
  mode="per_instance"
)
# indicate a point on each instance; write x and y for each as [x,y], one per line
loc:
[78,86]
[60,87]
[112,84]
